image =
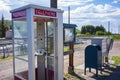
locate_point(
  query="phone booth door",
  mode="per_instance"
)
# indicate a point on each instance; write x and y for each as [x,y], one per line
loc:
[45,47]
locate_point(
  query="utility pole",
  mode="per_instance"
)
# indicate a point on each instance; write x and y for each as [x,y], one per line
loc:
[68,14]
[53,3]
[108,26]
[71,47]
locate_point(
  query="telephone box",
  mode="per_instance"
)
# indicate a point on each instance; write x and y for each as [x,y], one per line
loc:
[37,43]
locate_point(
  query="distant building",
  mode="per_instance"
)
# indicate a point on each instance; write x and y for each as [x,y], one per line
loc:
[8,34]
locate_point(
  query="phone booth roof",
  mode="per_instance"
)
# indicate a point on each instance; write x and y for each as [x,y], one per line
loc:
[38,11]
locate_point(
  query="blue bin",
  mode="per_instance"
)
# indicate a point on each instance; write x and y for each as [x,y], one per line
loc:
[93,58]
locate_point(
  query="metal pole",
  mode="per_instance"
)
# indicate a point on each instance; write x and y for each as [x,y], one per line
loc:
[68,14]
[71,47]
[53,3]
[108,26]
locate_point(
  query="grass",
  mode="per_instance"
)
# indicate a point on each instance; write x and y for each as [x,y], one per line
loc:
[116,37]
[6,59]
[70,77]
[116,59]
[66,48]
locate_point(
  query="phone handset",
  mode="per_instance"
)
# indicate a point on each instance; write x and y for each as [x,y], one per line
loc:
[40,52]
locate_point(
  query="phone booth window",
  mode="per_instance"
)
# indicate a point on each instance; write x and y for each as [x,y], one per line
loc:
[20,46]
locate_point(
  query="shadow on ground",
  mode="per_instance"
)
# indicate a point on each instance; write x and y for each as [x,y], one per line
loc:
[74,76]
[109,73]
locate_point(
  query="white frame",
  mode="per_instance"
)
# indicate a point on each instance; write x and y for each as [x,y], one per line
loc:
[14,56]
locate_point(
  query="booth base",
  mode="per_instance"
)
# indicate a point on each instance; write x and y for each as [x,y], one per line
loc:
[25,75]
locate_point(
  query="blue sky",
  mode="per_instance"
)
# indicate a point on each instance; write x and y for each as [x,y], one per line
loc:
[83,12]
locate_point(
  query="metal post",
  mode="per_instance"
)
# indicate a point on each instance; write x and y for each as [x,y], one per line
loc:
[53,4]
[108,26]
[71,66]
[71,47]
[68,14]
[31,56]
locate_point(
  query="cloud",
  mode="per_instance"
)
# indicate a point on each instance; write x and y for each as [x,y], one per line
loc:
[116,1]
[18,3]
[65,3]
[97,11]
[4,9]
[4,6]
[94,14]
[7,5]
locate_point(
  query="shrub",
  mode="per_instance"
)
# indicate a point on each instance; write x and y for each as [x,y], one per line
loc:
[99,33]
[87,34]
[117,37]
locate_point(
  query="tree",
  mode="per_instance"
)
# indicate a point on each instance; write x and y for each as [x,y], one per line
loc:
[77,31]
[90,29]
[94,30]
[2,27]
[83,30]
[87,28]
[99,28]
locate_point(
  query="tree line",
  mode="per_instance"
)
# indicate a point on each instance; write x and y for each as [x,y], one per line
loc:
[4,26]
[93,30]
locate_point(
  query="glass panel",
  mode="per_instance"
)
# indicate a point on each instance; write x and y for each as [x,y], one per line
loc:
[20,29]
[20,39]
[50,49]
[21,68]
[50,36]
[69,35]
[20,48]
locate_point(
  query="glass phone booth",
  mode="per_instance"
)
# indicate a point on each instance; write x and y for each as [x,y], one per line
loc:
[37,43]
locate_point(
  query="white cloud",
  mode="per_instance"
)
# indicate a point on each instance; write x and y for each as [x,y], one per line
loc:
[4,6]
[65,3]
[19,3]
[4,9]
[116,1]
[94,14]
[7,5]
[98,11]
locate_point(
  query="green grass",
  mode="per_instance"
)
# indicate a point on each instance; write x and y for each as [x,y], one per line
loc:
[6,59]
[66,48]
[116,37]
[70,77]
[116,59]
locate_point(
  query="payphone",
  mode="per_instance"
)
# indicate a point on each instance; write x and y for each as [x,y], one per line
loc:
[40,30]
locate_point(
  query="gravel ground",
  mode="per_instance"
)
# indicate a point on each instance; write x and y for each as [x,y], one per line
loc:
[6,71]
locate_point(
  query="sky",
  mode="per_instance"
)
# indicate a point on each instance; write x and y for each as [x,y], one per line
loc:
[82,12]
